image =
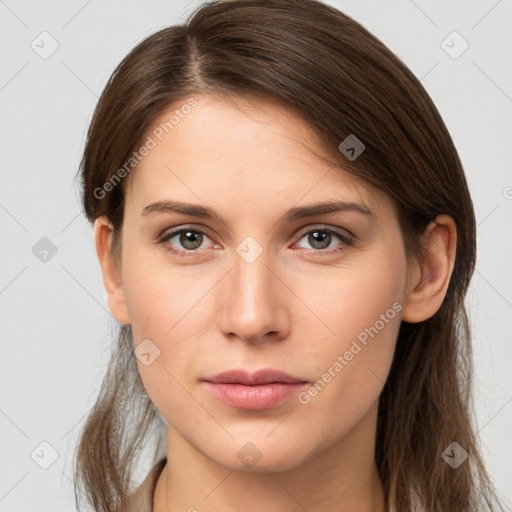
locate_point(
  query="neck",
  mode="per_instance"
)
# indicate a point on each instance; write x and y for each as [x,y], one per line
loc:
[342,476]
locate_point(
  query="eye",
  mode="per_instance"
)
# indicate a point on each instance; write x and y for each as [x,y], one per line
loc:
[190,240]
[321,239]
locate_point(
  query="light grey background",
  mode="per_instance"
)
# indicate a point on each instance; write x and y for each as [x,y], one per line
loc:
[56,331]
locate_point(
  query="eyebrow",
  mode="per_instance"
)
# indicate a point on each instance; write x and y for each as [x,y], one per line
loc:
[297,212]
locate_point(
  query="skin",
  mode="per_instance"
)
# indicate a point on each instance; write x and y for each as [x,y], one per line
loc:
[292,309]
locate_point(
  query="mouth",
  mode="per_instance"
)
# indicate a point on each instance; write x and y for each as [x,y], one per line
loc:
[263,389]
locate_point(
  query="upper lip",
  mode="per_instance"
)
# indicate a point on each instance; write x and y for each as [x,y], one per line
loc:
[266,376]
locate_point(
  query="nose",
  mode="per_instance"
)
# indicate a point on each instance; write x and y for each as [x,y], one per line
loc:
[255,305]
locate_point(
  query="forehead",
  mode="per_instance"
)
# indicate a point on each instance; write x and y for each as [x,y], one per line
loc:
[244,149]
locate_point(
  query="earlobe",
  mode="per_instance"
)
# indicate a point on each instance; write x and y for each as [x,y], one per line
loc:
[432,277]
[110,270]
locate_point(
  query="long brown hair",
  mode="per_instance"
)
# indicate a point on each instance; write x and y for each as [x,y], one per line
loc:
[343,81]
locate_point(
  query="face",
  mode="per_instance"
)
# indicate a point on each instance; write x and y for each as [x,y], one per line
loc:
[260,284]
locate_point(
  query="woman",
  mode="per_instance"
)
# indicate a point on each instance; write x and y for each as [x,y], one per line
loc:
[286,237]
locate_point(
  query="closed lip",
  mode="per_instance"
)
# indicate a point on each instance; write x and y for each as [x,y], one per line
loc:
[258,378]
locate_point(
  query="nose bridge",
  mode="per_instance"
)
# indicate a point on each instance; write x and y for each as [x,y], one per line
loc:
[252,308]
[252,278]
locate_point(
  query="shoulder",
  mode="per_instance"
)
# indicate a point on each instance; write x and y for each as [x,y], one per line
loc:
[142,499]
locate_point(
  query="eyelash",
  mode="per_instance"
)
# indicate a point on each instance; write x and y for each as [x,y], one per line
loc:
[345,239]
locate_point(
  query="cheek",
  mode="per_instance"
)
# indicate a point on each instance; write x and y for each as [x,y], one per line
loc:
[360,312]
[159,310]
[361,345]
[157,296]
[352,365]
[163,306]
[348,303]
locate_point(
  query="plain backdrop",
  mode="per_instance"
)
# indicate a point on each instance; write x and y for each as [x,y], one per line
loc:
[56,332]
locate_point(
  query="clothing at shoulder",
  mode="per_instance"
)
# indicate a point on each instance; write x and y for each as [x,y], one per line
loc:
[142,499]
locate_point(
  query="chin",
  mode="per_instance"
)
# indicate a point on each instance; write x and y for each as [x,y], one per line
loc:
[261,456]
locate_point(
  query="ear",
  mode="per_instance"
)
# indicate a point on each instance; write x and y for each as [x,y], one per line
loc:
[110,270]
[430,277]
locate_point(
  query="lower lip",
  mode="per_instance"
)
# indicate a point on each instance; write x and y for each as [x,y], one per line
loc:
[254,398]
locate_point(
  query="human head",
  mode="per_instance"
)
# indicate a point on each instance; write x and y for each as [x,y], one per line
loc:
[342,81]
